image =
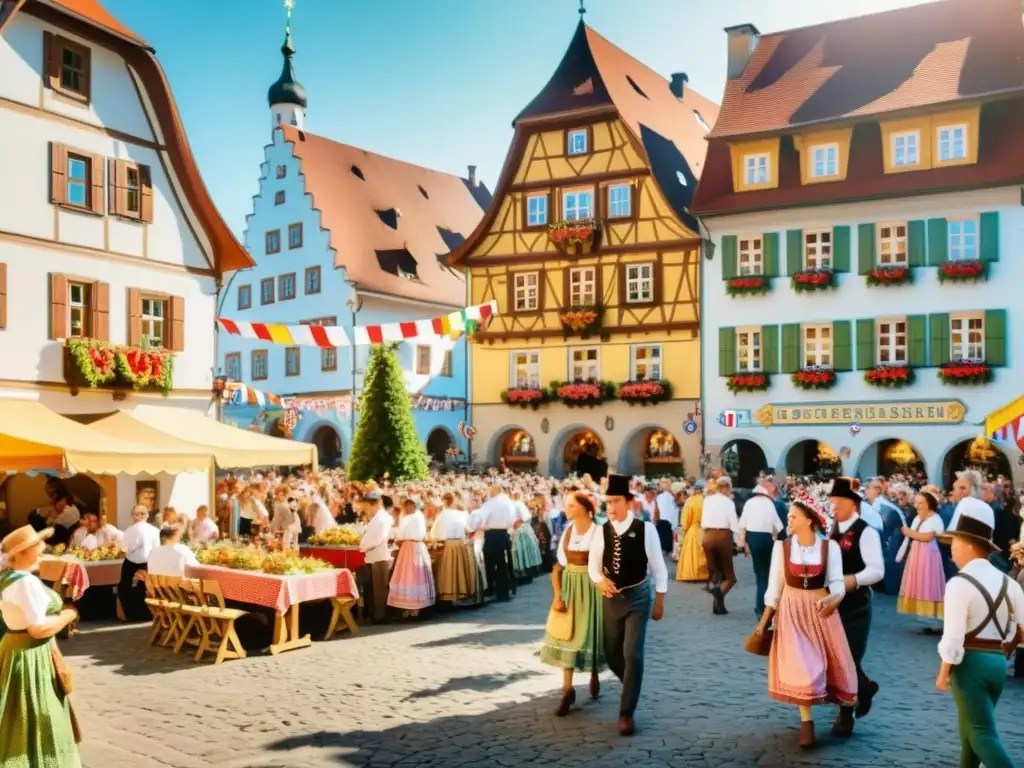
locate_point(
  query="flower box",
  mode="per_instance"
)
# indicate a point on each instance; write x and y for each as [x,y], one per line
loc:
[890,276]
[583,319]
[748,382]
[963,271]
[815,378]
[889,376]
[577,394]
[748,286]
[525,397]
[575,237]
[965,372]
[813,280]
[92,363]
[645,392]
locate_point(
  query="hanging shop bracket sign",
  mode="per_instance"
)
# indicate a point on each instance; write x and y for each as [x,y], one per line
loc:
[907,412]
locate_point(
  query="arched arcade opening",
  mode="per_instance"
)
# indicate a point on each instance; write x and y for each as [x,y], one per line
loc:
[813,459]
[744,461]
[978,453]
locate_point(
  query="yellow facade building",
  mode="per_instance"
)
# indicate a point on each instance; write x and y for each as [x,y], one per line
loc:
[591,253]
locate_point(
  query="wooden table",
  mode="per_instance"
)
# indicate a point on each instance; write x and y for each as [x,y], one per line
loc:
[59,571]
[340,557]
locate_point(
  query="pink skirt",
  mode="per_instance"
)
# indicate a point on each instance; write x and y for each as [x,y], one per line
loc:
[810,661]
[923,588]
[412,580]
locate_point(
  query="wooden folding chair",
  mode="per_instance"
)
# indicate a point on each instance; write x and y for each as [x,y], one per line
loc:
[167,587]
[193,605]
[220,624]
[158,607]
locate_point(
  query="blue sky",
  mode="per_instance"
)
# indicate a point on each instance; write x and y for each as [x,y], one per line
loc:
[434,82]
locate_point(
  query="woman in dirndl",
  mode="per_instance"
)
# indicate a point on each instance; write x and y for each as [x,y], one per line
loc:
[456,571]
[37,724]
[526,557]
[693,563]
[923,589]
[412,580]
[810,661]
[576,593]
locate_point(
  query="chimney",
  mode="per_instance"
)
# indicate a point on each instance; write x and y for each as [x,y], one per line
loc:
[472,175]
[742,42]
[678,84]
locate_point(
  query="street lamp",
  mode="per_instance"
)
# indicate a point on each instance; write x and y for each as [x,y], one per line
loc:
[354,304]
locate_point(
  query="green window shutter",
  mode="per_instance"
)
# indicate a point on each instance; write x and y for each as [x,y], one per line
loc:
[841,249]
[915,243]
[770,254]
[990,236]
[794,251]
[865,248]
[995,336]
[938,347]
[730,251]
[790,347]
[726,351]
[770,348]
[842,346]
[865,344]
[938,242]
[916,343]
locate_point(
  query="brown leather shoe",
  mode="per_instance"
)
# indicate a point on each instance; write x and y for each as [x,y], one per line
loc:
[843,726]
[595,687]
[806,739]
[626,726]
[568,699]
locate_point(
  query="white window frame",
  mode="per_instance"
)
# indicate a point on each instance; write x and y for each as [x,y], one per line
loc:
[623,208]
[818,252]
[829,165]
[822,347]
[959,323]
[586,365]
[536,217]
[750,355]
[887,340]
[150,320]
[532,369]
[964,242]
[915,144]
[757,168]
[750,252]
[577,211]
[950,141]
[641,284]
[893,239]
[82,307]
[571,146]
[523,291]
[657,370]
[584,290]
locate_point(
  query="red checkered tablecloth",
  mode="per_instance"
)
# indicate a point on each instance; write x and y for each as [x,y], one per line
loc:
[277,592]
[80,574]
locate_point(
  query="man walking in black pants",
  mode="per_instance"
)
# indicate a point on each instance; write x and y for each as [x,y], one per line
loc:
[497,517]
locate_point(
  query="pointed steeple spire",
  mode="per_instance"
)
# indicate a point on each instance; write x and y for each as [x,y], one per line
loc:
[287,89]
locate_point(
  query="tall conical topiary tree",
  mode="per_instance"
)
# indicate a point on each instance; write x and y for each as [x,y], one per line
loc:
[385,442]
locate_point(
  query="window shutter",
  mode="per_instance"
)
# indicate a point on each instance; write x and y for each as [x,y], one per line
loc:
[134,317]
[938,242]
[842,346]
[790,347]
[100,311]
[3,296]
[51,60]
[938,348]
[730,265]
[176,304]
[865,344]
[865,248]
[770,244]
[113,187]
[97,198]
[145,193]
[58,168]
[841,249]
[726,351]
[989,234]
[916,341]
[770,348]
[58,307]
[995,337]
[915,243]
[794,251]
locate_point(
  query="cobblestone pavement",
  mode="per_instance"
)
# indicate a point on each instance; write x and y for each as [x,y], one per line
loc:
[467,690]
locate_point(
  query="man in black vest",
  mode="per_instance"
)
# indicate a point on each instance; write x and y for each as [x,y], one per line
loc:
[863,566]
[620,557]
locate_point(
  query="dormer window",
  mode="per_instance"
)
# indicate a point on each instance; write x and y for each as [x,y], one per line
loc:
[756,168]
[825,161]
[576,142]
[952,143]
[906,148]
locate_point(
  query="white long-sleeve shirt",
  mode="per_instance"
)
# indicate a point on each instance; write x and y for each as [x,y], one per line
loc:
[102,537]
[668,510]
[965,608]
[375,538]
[870,552]
[759,516]
[170,560]
[450,524]
[412,527]
[803,556]
[498,512]
[139,540]
[719,512]
[652,546]
[323,520]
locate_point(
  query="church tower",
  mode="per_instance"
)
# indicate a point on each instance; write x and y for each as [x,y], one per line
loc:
[287,97]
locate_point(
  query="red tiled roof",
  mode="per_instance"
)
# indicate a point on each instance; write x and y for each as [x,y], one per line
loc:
[437,210]
[94,13]
[904,59]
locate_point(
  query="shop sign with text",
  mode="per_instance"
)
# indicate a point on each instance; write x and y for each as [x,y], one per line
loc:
[865,413]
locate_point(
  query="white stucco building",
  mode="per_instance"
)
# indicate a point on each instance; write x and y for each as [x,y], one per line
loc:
[106,230]
[834,161]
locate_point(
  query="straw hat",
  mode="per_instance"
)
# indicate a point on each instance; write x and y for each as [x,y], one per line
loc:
[24,538]
[976,522]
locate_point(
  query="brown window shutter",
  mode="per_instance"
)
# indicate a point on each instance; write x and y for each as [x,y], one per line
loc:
[134,317]
[113,189]
[58,169]
[177,341]
[51,60]
[3,296]
[58,307]
[145,193]
[97,199]
[100,320]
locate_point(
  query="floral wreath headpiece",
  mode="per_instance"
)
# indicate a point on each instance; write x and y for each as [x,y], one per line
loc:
[815,501]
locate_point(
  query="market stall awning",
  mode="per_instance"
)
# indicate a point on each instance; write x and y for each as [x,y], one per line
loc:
[34,437]
[1005,423]
[231,447]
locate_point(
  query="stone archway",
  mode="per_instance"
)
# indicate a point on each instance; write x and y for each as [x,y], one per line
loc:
[744,461]
[517,450]
[975,453]
[889,456]
[438,442]
[811,458]
[328,445]
[565,454]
